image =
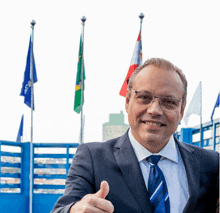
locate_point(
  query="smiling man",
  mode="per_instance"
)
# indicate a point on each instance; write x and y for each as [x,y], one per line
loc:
[155,104]
[147,169]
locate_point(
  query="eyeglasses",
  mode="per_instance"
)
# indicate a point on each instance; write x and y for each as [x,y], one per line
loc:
[167,103]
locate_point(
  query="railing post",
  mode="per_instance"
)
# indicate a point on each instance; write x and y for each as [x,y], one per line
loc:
[25,172]
[202,136]
[214,136]
[186,135]
[67,158]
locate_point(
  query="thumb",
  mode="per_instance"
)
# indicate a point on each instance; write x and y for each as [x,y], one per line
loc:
[104,190]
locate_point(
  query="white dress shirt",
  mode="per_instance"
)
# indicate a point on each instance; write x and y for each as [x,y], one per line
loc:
[172,167]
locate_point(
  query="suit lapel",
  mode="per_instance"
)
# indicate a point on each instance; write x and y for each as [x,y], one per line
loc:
[192,168]
[131,171]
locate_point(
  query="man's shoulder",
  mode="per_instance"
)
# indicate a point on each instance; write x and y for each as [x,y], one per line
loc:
[106,145]
[199,151]
[102,145]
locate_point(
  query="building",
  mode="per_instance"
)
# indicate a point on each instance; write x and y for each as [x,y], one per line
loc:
[115,127]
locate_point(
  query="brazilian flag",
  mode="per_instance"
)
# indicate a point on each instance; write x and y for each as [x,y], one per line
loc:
[79,80]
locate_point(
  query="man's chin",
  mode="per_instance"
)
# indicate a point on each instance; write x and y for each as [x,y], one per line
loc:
[152,136]
[152,139]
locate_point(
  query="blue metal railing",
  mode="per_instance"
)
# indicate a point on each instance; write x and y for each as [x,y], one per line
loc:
[210,134]
[50,168]
[46,161]
[10,167]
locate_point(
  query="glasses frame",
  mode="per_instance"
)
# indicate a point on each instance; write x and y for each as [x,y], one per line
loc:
[155,96]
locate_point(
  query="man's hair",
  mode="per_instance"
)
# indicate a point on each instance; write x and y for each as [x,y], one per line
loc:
[160,63]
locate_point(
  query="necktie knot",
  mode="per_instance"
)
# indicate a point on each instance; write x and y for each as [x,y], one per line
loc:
[154,159]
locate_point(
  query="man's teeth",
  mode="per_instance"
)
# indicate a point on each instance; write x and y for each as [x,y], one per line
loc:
[153,124]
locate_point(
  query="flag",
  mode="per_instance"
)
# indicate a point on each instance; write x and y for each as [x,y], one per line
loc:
[20,131]
[135,62]
[79,81]
[26,86]
[195,106]
[216,105]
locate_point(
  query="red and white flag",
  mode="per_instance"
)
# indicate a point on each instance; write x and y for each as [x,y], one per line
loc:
[135,62]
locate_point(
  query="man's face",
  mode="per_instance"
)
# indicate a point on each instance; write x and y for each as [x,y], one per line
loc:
[151,125]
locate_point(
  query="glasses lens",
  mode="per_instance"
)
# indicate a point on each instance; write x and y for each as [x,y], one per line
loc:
[144,98]
[165,102]
[169,103]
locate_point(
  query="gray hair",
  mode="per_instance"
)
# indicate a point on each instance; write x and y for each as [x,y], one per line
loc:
[160,63]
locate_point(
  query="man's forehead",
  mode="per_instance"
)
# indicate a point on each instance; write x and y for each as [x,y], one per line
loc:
[152,76]
[153,72]
[154,67]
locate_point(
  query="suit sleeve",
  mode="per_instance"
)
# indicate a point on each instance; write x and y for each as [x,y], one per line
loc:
[80,180]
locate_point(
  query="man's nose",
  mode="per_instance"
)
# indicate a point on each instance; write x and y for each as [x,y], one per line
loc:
[154,107]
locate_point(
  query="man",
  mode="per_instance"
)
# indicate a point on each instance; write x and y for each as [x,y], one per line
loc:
[121,175]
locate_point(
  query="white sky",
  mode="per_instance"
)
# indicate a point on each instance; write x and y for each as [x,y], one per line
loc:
[185,32]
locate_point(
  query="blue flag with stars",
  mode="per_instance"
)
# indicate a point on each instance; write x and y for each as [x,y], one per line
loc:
[26,86]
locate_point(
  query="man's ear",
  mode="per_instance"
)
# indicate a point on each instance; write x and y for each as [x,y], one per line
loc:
[127,100]
[182,109]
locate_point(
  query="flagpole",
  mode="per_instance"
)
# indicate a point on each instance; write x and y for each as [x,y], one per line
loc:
[22,128]
[141,16]
[32,106]
[83,19]
[213,136]
[214,127]
[201,131]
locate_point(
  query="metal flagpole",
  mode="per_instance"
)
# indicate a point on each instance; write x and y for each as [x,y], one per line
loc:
[32,106]
[213,136]
[141,16]
[83,19]
[201,131]
[214,127]
[22,137]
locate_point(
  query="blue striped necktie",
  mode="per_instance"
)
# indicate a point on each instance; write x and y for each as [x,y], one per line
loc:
[157,187]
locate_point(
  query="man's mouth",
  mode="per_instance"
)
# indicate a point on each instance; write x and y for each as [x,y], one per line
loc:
[153,123]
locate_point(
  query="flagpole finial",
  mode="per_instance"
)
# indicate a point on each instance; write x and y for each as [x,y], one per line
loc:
[141,16]
[83,19]
[33,23]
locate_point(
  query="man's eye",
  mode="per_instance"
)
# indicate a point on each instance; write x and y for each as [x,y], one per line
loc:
[141,96]
[145,98]
[170,102]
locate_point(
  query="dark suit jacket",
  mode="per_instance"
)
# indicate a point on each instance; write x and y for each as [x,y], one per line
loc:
[116,162]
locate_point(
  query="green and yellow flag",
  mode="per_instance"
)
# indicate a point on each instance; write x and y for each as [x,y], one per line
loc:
[79,81]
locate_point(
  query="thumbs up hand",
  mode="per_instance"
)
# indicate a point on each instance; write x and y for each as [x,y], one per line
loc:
[94,202]
[103,191]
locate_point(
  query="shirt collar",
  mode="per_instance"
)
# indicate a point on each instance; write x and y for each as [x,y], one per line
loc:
[169,151]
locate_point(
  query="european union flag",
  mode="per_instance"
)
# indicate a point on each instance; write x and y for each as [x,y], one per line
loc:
[20,131]
[26,86]
[216,105]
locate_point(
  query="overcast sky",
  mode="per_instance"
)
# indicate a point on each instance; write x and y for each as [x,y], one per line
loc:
[185,32]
